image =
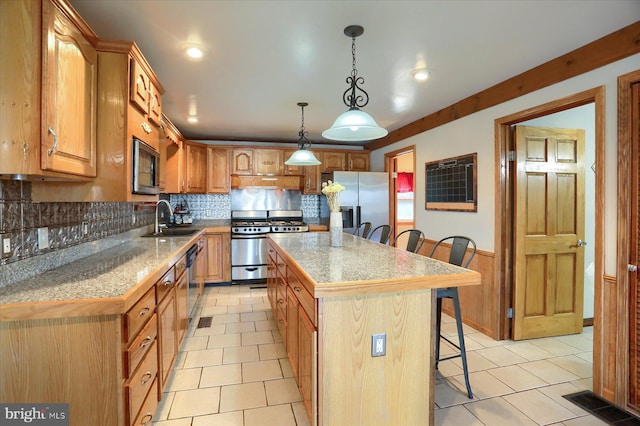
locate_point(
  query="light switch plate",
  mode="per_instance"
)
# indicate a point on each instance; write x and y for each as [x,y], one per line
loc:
[6,245]
[43,238]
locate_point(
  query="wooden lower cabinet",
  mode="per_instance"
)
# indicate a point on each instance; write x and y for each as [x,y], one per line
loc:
[182,307]
[218,264]
[167,335]
[294,310]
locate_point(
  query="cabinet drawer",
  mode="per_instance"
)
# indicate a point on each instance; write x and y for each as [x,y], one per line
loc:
[166,283]
[181,266]
[140,346]
[282,267]
[142,380]
[305,298]
[138,316]
[149,407]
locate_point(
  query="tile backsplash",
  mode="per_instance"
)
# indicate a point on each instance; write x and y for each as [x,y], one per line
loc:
[68,224]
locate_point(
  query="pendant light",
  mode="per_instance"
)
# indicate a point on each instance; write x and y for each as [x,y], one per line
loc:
[302,157]
[354,125]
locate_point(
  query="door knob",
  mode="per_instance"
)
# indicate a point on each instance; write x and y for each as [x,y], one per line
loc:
[580,243]
[632,268]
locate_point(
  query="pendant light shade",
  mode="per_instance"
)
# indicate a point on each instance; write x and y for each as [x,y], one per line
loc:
[354,125]
[302,157]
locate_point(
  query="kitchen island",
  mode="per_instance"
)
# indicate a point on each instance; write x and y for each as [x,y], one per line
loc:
[329,302]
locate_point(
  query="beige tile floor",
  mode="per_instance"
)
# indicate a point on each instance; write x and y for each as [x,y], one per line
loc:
[236,372]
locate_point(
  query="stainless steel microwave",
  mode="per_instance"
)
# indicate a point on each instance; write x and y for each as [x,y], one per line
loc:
[146,163]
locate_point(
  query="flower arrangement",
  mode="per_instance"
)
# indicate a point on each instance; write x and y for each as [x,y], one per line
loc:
[332,191]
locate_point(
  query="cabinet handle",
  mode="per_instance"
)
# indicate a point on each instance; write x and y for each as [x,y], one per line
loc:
[144,311]
[296,289]
[146,342]
[280,301]
[54,148]
[147,376]
[281,321]
[168,283]
[146,421]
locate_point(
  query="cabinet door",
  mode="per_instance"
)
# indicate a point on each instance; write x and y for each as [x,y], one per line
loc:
[140,87]
[167,336]
[218,260]
[69,96]
[182,320]
[291,343]
[242,162]
[218,181]
[196,169]
[267,162]
[312,180]
[307,360]
[155,105]
[333,162]
[175,179]
[291,170]
[358,162]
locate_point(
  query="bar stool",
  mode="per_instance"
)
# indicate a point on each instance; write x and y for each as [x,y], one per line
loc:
[365,227]
[385,233]
[459,247]
[415,239]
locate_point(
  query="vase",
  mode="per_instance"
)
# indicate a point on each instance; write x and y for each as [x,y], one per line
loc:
[335,229]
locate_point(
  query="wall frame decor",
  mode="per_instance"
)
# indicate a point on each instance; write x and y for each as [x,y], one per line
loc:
[451,184]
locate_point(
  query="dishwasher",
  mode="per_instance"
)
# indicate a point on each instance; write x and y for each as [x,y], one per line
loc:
[192,293]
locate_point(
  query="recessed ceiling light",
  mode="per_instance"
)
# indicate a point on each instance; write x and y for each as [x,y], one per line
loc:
[420,74]
[192,119]
[194,51]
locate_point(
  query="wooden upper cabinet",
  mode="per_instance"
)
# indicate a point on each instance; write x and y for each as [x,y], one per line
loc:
[358,162]
[140,87]
[196,168]
[172,161]
[267,162]
[242,161]
[69,96]
[312,180]
[155,105]
[218,179]
[333,161]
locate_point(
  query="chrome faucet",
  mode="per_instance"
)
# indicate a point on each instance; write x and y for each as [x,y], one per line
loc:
[156,229]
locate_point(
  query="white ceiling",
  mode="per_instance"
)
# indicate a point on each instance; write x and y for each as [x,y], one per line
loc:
[265,56]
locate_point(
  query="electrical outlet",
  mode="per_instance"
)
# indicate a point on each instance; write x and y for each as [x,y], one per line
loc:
[43,238]
[85,227]
[133,219]
[379,344]
[6,245]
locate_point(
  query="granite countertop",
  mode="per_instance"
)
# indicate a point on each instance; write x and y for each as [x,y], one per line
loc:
[364,265]
[111,273]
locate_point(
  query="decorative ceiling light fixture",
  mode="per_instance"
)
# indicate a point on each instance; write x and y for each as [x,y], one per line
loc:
[302,157]
[354,125]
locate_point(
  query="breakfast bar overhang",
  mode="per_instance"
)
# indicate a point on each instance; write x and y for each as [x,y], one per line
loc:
[328,302]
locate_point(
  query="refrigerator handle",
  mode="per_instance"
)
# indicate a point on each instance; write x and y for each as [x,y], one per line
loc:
[357,216]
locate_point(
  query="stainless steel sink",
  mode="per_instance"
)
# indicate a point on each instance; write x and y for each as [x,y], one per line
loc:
[173,232]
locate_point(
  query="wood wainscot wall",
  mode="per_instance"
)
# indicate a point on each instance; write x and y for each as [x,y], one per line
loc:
[478,304]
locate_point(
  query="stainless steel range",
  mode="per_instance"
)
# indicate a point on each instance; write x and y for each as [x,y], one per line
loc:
[249,229]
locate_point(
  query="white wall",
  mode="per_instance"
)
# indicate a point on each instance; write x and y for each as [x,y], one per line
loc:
[475,133]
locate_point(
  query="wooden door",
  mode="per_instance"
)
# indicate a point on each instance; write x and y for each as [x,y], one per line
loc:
[333,162]
[242,161]
[196,169]
[218,268]
[634,252]
[267,162]
[358,162]
[218,181]
[69,97]
[549,228]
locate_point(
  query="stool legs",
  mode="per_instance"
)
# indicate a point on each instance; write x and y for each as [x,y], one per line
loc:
[452,293]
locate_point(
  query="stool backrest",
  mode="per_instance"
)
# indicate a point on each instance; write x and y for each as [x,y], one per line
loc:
[363,230]
[384,231]
[415,241]
[459,245]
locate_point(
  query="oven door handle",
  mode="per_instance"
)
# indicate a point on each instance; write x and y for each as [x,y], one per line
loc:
[251,269]
[247,237]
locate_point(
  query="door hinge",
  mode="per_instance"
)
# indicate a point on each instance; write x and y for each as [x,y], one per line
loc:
[509,312]
[511,156]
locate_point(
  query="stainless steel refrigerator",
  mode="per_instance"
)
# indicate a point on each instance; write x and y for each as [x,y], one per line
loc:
[365,198]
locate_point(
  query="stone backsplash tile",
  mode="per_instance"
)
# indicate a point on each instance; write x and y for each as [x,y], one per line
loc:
[20,219]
